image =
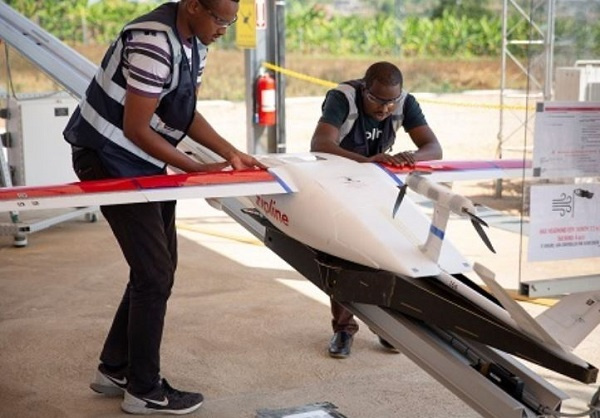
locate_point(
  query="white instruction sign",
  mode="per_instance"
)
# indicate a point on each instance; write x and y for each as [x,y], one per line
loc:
[565,222]
[567,139]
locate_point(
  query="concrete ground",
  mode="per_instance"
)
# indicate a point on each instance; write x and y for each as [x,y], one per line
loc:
[242,327]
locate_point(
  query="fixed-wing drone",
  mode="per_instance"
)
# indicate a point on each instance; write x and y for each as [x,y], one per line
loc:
[357,217]
[354,232]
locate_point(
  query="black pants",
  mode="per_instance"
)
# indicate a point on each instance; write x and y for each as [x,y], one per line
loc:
[147,237]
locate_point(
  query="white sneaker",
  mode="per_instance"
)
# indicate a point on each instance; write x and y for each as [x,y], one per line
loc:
[109,383]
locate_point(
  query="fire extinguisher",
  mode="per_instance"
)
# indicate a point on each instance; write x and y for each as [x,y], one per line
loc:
[265,99]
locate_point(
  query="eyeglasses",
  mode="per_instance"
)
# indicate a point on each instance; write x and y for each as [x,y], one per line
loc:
[222,23]
[382,102]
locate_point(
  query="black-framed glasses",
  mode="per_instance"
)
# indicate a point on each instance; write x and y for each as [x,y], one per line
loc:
[222,23]
[380,101]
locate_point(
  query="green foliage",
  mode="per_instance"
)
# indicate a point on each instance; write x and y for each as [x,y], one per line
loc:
[448,28]
[471,8]
[105,18]
[312,30]
[82,21]
[61,18]
[580,40]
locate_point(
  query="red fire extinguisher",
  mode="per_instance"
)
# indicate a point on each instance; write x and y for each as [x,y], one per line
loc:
[265,99]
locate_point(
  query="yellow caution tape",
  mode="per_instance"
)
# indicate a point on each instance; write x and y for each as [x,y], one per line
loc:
[299,75]
[330,84]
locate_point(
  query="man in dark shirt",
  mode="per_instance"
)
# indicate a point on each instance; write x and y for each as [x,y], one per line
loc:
[359,121]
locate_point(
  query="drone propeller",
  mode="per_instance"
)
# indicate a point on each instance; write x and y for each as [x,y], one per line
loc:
[401,193]
[477,222]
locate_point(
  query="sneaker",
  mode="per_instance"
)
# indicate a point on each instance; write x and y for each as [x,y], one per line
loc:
[340,344]
[163,399]
[109,383]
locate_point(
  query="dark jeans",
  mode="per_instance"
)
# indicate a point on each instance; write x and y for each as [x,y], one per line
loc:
[147,237]
[343,319]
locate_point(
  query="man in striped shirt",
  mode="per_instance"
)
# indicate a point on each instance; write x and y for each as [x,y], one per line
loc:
[139,106]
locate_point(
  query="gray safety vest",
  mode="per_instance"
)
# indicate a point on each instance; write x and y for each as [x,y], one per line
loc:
[394,122]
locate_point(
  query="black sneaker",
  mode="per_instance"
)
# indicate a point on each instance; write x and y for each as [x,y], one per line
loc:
[109,383]
[340,344]
[163,399]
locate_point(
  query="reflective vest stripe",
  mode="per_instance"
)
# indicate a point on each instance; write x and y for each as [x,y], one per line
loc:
[108,130]
[350,93]
[117,92]
[111,89]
